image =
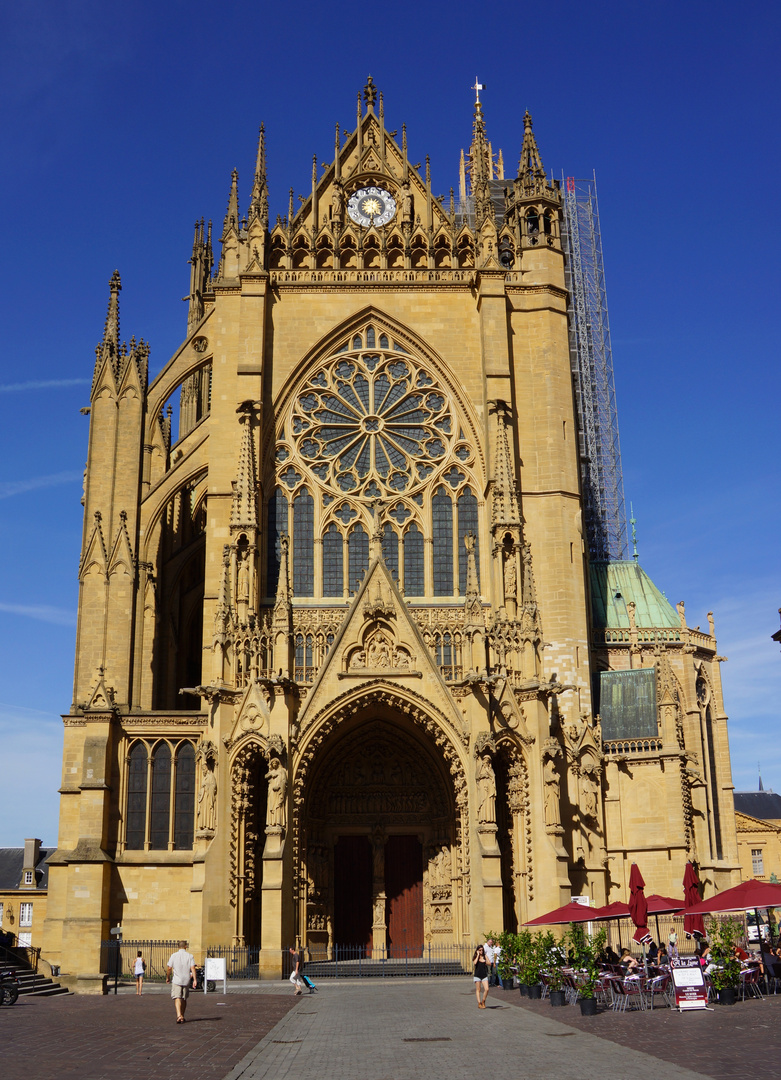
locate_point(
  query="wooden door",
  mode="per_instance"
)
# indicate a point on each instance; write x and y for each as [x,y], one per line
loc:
[353,892]
[404,889]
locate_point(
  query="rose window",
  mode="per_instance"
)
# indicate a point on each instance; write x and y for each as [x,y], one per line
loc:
[373,420]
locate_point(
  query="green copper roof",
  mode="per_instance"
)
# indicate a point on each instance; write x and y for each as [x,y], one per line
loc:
[614,584]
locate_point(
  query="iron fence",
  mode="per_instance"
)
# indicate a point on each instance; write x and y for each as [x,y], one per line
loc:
[361,961]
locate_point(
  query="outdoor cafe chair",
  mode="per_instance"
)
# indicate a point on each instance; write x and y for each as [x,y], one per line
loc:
[625,991]
[657,987]
[749,983]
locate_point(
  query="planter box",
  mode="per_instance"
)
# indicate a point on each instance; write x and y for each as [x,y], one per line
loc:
[588,1006]
[727,995]
[535,991]
[558,998]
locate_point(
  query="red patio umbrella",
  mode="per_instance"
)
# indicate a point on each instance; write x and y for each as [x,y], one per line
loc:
[617,910]
[571,912]
[638,906]
[749,894]
[662,905]
[692,924]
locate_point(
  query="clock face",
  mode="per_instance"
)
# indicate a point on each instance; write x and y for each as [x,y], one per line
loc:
[371,206]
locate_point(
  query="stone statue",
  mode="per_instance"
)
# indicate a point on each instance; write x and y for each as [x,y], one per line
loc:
[406,204]
[337,203]
[590,791]
[680,607]
[378,653]
[207,801]
[510,576]
[276,813]
[486,792]
[242,587]
[551,781]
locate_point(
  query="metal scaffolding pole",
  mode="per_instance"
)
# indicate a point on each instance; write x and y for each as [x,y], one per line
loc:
[591,361]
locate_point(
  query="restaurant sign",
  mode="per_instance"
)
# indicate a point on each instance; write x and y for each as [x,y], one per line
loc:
[689,982]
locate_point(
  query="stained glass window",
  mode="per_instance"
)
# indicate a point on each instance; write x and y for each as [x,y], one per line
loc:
[467,523]
[136,798]
[442,533]
[371,420]
[303,544]
[333,562]
[184,798]
[390,550]
[413,562]
[277,525]
[358,544]
[160,809]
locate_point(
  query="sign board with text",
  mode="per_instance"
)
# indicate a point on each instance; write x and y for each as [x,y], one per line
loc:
[689,982]
[215,969]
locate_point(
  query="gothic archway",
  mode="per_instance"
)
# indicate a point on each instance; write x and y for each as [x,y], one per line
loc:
[381,858]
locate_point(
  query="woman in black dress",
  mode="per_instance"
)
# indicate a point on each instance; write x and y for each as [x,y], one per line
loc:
[481,975]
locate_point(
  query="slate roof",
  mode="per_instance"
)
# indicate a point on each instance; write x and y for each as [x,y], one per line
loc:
[765,805]
[12,864]
[614,584]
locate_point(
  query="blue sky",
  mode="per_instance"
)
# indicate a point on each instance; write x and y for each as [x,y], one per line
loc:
[121,126]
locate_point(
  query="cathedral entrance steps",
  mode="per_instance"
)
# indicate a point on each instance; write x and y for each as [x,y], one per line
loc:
[32,985]
[350,962]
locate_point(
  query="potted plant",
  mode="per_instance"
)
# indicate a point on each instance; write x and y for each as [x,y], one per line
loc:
[584,951]
[724,935]
[534,964]
[523,951]
[553,959]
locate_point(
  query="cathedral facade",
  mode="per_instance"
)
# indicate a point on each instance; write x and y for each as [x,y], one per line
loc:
[345,673]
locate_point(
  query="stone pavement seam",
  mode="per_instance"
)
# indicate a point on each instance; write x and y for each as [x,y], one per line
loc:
[257,1051]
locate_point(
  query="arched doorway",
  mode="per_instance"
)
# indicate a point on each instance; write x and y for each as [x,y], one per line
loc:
[379,833]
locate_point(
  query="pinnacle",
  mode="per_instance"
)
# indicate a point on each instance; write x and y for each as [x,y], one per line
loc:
[370,94]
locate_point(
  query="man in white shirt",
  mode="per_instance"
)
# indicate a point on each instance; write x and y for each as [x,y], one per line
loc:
[492,952]
[179,970]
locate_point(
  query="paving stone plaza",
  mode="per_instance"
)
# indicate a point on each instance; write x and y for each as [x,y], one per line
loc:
[377,1030]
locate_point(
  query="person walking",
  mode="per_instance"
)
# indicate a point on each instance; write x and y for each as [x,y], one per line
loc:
[492,954]
[480,978]
[139,968]
[295,974]
[179,970]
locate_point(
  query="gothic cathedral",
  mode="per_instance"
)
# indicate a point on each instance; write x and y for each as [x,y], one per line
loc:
[345,670]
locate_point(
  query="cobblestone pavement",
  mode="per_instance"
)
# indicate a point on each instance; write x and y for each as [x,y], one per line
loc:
[374,1030]
[433,1029]
[742,1040]
[130,1038]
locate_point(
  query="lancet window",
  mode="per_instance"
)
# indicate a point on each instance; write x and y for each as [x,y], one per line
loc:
[373,431]
[160,799]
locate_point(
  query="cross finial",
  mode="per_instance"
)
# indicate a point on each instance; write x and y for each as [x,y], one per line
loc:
[633,523]
[477,88]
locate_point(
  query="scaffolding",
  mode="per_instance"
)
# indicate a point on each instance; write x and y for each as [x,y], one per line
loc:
[591,360]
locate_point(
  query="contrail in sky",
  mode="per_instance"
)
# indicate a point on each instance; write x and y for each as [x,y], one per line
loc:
[20,487]
[42,384]
[42,612]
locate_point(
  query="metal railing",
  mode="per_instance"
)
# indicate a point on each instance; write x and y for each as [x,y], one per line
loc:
[361,961]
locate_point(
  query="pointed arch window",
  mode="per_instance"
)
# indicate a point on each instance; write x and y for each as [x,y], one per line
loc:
[442,535]
[414,581]
[467,523]
[390,550]
[160,804]
[303,544]
[277,525]
[358,544]
[305,671]
[135,826]
[333,562]
[184,798]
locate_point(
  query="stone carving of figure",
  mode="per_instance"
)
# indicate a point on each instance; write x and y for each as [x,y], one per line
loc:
[379,911]
[276,812]
[590,791]
[378,653]
[486,792]
[242,587]
[510,577]
[551,780]
[337,203]
[207,801]
[406,204]
[680,607]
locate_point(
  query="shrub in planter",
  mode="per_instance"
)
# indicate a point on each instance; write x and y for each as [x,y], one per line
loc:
[558,998]
[584,952]
[588,1006]
[724,935]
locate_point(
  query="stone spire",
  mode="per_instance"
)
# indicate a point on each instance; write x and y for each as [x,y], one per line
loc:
[258,207]
[283,608]
[530,171]
[108,349]
[244,507]
[480,167]
[504,508]
[232,214]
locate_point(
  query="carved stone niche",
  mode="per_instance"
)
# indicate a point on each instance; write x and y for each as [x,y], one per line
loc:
[378,653]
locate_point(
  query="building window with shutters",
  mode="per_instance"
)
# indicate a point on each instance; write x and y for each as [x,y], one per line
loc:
[757,862]
[25,914]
